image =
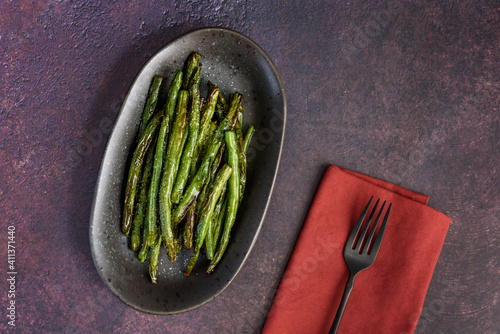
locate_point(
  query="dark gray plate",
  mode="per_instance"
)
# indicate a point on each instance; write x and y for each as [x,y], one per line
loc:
[234,63]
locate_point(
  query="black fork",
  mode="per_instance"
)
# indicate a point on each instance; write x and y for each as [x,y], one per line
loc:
[360,253]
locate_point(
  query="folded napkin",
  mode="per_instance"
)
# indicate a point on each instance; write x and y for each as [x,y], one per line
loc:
[387,297]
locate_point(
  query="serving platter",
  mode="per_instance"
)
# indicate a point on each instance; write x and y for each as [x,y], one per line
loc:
[234,63]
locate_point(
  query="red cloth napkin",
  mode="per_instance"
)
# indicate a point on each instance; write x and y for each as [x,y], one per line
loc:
[387,297]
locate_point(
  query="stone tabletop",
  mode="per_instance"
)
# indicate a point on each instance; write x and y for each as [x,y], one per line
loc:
[405,91]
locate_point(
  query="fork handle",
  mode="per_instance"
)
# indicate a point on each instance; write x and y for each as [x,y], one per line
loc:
[340,311]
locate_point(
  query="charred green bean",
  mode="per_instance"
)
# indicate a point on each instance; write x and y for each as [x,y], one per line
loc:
[170,171]
[140,214]
[233,198]
[219,219]
[189,151]
[153,262]
[248,138]
[169,108]
[151,102]
[201,231]
[135,168]
[192,63]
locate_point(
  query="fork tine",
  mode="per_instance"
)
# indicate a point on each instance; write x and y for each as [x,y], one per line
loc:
[352,237]
[360,242]
[378,239]
[372,231]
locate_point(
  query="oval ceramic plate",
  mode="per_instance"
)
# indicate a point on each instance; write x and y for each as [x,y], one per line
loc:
[234,63]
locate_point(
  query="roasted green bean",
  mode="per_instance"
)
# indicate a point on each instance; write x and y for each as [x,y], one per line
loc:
[135,168]
[208,138]
[144,250]
[201,231]
[207,190]
[205,126]
[152,195]
[192,141]
[153,262]
[221,106]
[169,108]
[233,198]
[242,159]
[248,138]
[201,199]
[140,215]
[189,227]
[151,103]
[170,171]
[218,221]
[192,63]
[210,240]
[203,196]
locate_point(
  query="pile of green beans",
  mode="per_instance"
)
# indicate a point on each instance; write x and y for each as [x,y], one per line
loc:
[188,171]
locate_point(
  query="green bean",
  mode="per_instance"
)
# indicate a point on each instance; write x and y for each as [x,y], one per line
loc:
[189,227]
[248,138]
[151,103]
[190,67]
[169,108]
[239,123]
[142,201]
[209,239]
[202,197]
[243,171]
[240,117]
[170,171]
[208,138]
[219,219]
[144,251]
[190,149]
[243,147]
[153,262]
[202,106]
[173,92]
[202,228]
[221,106]
[233,198]
[152,197]
[242,159]
[205,126]
[200,178]
[149,110]
[191,215]
[139,219]
[203,201]
[134,170]
[222,101]
[144,248]
[209,245]
[178,244]
[184,141]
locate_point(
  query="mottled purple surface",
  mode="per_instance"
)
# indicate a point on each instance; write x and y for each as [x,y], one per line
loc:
[401,91]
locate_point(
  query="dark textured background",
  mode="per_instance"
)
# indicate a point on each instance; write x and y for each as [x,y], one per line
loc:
[401,91]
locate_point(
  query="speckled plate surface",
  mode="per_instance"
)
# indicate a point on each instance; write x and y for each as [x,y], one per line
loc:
[234,63]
